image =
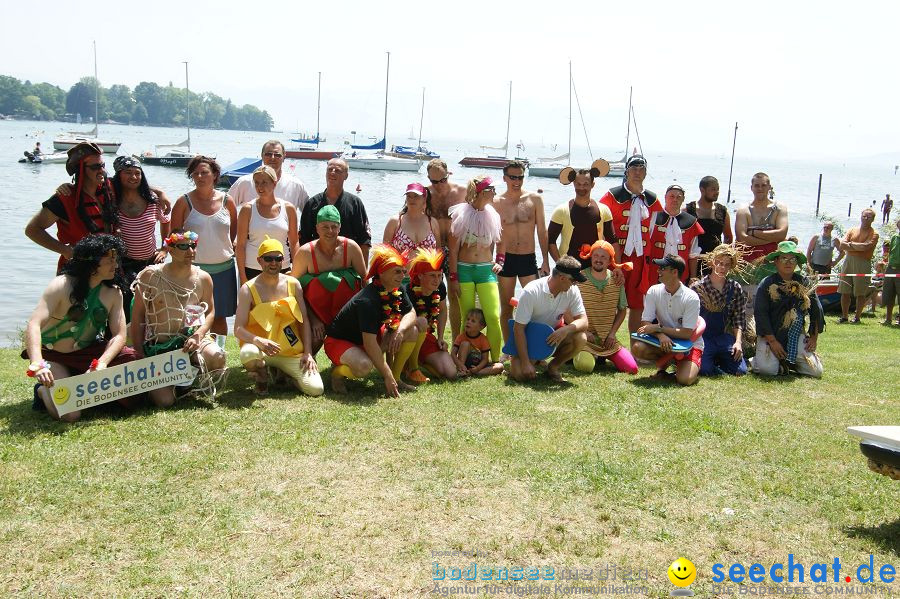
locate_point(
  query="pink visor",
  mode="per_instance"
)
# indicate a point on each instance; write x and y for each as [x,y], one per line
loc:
[483,184]
[416,188]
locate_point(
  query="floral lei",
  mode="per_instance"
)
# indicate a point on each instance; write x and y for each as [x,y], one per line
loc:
[390,306]
[429,306]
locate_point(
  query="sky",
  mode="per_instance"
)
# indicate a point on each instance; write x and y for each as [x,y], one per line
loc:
[802,80]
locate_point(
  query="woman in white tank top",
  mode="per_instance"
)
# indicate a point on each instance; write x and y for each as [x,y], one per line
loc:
[212,215]
[266,216]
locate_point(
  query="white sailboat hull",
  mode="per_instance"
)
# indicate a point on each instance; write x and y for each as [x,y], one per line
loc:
[545,170]
[67,143]
[382,163]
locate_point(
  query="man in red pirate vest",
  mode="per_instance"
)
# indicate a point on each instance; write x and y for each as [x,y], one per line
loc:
[331,270]
[85,210]
[674,232]
[632,207]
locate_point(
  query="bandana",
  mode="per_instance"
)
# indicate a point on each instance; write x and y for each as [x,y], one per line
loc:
[123,162]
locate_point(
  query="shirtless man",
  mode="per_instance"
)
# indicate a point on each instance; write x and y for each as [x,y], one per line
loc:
[443,195]
[61,337]
[521,213]
[331,271]
[173,309]
[762,223]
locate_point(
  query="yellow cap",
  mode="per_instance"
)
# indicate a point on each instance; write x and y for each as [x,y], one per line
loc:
[270,245]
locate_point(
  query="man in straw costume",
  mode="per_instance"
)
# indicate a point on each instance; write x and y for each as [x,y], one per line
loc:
[789,317]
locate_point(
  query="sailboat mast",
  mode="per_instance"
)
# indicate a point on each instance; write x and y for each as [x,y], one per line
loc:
[96,94]
[508,117]
[387,79]
[187,87]
[628,133]
[318,108]
[421,118]
[569,159]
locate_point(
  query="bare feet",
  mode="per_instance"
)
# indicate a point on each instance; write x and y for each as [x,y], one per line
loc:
[338,384]
[402,386]
[554,375]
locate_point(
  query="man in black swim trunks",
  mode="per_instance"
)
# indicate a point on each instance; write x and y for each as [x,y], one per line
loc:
[522,212]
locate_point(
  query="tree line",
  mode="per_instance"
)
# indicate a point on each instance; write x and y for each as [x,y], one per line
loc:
[146,104]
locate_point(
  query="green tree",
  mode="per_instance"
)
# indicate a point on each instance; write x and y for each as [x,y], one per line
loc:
[11,94]
[152,97]
[139,114]
[121,103]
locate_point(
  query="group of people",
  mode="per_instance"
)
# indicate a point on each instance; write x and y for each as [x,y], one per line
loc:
[300,274]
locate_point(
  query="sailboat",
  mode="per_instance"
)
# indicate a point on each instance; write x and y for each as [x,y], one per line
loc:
[419,152]
[309,147]
[495,161]
[180,154]
[379,161]
[617,168]
[68,141]
[551,167]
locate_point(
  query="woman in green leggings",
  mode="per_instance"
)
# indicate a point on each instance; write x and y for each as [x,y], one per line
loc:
[474,232]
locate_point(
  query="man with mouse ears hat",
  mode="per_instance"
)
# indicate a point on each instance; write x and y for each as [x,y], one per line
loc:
[632,209]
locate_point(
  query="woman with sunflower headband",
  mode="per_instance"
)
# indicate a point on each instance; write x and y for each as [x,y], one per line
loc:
[379,319]
[428,295]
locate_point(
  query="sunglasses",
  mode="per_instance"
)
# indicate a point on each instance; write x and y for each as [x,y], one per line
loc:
[273,155]
[490,189]
[516,177]
[96,167]
[787,259]
[436,181]
[185,246]
[273,258]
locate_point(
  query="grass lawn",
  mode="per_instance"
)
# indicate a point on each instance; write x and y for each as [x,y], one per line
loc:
[360,496]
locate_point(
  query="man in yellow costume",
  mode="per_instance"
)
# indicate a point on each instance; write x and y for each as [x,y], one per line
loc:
[273,327]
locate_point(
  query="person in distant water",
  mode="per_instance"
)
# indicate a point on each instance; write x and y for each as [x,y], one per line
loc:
[379,319]
[414,227]
[427,293]
[762,223]
[139,212]
[674,232]
[671,311]
[580,221]
[272,325]
[632,208]
[605,304]
[820,253]
[37,149]
[723,308]
[713,217]
[287,187]
[474,233]
[521,213]
[213,216]
[78,324]
[331,270]
[174,309]
[265,217]
[85,208]
[789,318]
[354,220]
[554,301]
[859,244]
[887,204]
[890,293]
[444,194]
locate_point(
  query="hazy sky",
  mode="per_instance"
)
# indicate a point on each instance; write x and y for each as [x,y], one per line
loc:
[803,79]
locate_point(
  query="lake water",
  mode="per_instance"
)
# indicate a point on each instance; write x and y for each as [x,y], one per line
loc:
[25,268]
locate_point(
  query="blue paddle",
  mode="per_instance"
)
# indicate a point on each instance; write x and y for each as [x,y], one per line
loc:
[536,334]
[679,346]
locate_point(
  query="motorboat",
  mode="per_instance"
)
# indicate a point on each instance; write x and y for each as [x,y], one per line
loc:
[55,158]
[422,153]
[549,167]
[179,158]
[380,162]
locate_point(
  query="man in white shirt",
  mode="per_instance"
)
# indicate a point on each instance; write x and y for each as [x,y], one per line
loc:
[676,310]
[288,187]
[549,301]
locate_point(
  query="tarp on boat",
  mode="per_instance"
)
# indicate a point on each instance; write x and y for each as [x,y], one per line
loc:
[380,145]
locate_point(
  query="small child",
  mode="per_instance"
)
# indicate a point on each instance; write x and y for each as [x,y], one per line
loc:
[471,348]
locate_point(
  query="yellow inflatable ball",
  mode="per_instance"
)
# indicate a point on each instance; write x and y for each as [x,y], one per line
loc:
[584,362]
[249,353]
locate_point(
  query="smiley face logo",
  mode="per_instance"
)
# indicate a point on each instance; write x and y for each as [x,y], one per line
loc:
[60,395]
[682,572]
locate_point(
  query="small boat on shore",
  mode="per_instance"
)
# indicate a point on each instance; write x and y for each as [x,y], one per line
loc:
[236,170]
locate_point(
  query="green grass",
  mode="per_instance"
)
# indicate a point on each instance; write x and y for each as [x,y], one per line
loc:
[347,497]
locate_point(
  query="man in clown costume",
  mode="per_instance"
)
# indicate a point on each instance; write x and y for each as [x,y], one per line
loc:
[378,320]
